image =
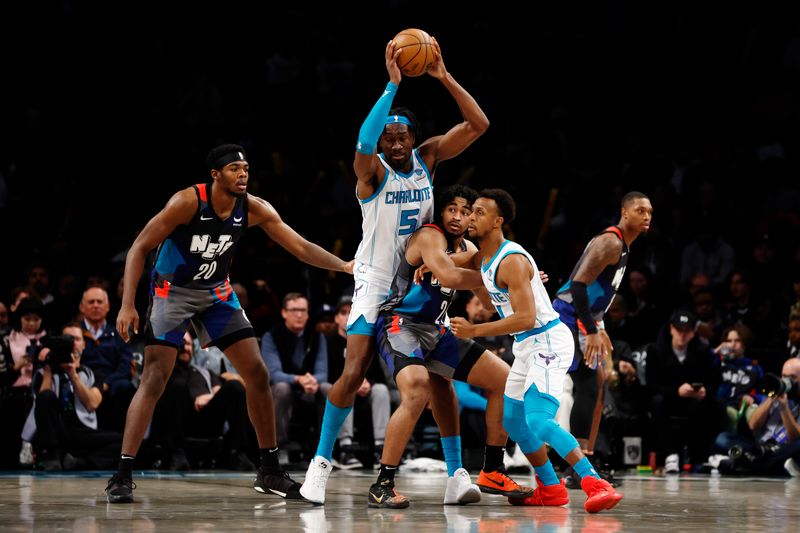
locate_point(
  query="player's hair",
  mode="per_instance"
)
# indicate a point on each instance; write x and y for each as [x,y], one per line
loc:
[506,207]
[449,194]
[631,196]
[415,125]
[218,151]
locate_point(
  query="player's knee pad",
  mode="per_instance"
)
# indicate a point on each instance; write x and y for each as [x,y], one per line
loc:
[517,427]
[540,411]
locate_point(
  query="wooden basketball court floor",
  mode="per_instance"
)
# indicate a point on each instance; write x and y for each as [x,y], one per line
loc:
[225,501]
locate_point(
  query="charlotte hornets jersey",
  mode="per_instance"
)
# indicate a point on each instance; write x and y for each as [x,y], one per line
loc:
[401,204]
[198,255]
[545,314]
[426,302]
[600,292]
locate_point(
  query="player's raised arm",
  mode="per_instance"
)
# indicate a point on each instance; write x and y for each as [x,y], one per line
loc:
[366,164]
[460,136]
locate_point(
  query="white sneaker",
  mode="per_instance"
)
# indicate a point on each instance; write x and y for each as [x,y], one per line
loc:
[715,460]
[313,488]
[672,465]
[26,454]
[792,467]
[461,490]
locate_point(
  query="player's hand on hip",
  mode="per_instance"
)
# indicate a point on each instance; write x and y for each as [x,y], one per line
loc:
[462,328]
[126,318]
[349,266]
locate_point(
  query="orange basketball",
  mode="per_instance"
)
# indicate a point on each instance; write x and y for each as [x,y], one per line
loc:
[417,52]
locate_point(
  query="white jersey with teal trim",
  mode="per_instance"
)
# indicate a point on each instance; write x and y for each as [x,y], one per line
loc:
[401,204]
[544,309]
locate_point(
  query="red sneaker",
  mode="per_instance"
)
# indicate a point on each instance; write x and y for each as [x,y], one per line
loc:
[544,495]
[498,482]
[600,494]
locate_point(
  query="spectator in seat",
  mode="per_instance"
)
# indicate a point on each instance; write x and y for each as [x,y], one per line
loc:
[109,357]
[297,359]
[682,406]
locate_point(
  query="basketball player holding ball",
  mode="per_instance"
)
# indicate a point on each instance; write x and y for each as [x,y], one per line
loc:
[395,186]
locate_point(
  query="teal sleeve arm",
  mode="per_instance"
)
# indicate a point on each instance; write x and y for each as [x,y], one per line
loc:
[469,398]
[376,120]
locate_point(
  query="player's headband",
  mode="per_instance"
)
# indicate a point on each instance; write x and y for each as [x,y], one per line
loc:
[398,119]
[228,158]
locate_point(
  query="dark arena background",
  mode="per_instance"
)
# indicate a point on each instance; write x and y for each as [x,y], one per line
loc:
[110,108]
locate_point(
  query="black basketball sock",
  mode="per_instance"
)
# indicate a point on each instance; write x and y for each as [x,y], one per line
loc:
[387,473]
[493,458]
[125,468]
[269,460]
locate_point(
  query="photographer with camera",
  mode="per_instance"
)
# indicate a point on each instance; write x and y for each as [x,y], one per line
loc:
[66,401]
[773,448]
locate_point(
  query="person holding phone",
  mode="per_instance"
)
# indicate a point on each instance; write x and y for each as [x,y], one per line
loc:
[681,379]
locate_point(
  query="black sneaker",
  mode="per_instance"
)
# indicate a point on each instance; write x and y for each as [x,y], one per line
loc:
[51,464]
[347,460]
[120,489]
[278,483]
[383,495]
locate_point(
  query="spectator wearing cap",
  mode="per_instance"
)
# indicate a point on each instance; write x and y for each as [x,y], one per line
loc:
[681,383]
[373,395]
[324,320]
[297,359]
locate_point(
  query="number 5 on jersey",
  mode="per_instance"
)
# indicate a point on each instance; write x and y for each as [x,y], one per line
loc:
[408,221]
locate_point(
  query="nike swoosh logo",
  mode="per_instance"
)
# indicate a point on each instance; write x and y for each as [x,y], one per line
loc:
[205,218]
[279,493]
[384,94]
[501,485]
[377,500]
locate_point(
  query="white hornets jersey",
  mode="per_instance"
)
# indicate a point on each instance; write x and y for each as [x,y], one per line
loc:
[544,309]
[401,204]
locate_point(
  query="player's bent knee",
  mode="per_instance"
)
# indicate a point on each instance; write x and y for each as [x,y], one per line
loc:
[517,427]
